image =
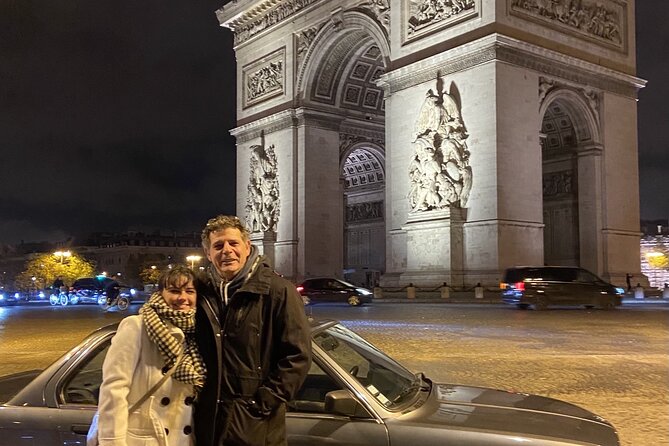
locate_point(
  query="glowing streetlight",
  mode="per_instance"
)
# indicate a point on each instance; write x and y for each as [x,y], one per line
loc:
[62,254]
[192,260]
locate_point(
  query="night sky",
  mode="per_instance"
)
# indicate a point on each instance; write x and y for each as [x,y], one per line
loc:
[114,115]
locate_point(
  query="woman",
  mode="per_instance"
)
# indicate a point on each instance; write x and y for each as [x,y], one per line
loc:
[145,347]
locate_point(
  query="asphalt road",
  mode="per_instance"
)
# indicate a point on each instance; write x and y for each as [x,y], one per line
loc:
[614,363]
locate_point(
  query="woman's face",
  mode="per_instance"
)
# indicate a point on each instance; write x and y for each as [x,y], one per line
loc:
[180,296]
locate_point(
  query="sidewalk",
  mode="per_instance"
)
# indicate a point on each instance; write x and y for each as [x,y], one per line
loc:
[489,297]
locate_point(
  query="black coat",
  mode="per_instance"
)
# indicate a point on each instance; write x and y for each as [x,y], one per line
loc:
[257,352]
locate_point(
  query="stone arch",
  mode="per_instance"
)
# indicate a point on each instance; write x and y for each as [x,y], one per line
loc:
[362,165]
[571,165]
[332,40]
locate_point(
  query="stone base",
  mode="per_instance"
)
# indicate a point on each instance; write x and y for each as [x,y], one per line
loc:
[265,243]
[435,251]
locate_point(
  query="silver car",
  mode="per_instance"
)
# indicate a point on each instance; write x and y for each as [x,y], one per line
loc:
[354,395]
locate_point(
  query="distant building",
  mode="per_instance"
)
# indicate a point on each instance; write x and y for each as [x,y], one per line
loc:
[126,254]
[116,254]
[655,252]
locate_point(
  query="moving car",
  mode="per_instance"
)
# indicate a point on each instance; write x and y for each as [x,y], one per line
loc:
[9,298]
[354,394]
[329,289]
[541,286]
[92,290]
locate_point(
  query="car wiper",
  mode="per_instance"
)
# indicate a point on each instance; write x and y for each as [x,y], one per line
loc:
[420,383]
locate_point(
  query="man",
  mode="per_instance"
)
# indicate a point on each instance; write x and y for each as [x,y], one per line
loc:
[112,289]
[57,284]
[255,340]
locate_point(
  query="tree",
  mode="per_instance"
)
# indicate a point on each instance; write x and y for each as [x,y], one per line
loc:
[150,275]
[42,270]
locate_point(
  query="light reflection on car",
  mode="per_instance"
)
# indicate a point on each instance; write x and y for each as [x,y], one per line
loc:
[354,394]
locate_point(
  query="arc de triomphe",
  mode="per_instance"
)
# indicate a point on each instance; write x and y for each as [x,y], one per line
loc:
[432,141]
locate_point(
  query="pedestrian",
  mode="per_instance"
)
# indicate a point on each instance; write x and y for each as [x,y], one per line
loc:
[145,347]
[255,339]
[628,280]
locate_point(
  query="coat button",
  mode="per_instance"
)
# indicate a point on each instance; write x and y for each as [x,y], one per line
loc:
[188,430]
[164,401]
[167,431]
[189,400]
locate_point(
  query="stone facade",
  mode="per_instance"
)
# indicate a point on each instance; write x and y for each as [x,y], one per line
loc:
[438,141]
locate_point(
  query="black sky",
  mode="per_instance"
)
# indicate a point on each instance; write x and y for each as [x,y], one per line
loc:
[114,115]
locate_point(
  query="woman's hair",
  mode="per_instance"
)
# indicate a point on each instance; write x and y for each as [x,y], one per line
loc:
[177,276]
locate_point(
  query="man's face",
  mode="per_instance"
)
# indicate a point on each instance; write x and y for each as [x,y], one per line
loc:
[228,251]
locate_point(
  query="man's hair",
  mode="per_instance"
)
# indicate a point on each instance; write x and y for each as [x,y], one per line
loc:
[221,222]
[177,276]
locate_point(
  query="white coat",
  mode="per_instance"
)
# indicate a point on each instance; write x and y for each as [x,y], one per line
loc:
[132,366]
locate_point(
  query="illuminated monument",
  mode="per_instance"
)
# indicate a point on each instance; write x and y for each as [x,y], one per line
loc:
[432,141]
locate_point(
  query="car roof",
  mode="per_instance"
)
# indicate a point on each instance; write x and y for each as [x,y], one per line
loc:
[28,396]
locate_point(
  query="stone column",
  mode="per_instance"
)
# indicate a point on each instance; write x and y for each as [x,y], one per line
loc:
[590,208]
[265,242]
[435,251]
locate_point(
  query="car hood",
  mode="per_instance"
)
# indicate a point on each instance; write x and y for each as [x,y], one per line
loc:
[507,414]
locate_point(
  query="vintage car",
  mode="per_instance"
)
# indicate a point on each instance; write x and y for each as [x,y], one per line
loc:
[354,394]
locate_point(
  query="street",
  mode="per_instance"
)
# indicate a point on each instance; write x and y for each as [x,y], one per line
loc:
[614,363]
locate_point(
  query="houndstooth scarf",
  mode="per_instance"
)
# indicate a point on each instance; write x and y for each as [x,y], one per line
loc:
[155,315]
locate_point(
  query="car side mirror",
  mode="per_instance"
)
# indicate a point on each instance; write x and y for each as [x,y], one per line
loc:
[342,402]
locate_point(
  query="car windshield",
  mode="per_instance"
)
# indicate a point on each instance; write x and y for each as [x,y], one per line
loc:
[350,285]
[387,381]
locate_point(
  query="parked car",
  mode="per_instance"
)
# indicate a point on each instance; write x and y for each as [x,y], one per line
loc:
[354,394]
[541,286]
[329,289]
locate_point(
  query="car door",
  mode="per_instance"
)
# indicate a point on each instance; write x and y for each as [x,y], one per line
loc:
[317,290]
[75,393]
[591,288]
[337,291]
[309,423]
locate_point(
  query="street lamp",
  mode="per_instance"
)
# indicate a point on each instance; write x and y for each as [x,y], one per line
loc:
[62,254]
[192,260]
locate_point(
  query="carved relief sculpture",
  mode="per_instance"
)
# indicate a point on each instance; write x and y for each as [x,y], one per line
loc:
[245,29]
[370,210]
[264,78]
[381,10]
[423,15]
[303,40]
[262,202]
[603,20]
[439,172]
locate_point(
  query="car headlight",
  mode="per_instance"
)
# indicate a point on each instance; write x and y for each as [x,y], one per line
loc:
[41,294]
[2,297]
[364,292]
[619,290]
[133,291]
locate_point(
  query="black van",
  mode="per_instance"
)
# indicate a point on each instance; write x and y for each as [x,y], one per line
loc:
[541,286]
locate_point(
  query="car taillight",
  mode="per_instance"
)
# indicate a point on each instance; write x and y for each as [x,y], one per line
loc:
[300,289]
[520,286]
